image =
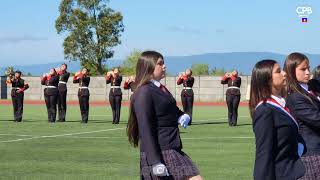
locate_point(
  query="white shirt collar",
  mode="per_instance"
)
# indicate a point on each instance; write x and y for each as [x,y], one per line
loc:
[279,100]
[304,86]
[155,82]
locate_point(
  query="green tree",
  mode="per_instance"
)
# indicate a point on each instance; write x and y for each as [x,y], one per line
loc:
[129,65]
[217,72]
[9,70]
[92,28]
[200,69]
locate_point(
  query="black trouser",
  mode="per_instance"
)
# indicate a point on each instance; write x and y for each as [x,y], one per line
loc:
[233,104]
[187,103]
[84,108]
[17,102]
[115,102]
[51,103]
[62,105]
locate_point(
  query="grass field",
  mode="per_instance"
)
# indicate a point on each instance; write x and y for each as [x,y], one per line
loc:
[35,149]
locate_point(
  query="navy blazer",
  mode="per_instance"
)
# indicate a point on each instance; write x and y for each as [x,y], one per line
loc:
[308,115]
[157,115]
[277,140]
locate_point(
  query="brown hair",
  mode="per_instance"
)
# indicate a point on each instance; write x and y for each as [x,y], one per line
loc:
[261,80]
[292,61]
[144,70]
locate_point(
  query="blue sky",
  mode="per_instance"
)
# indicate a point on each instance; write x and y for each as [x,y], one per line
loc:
[173,27]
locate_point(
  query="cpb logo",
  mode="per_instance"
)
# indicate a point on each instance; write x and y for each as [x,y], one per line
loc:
[304,11]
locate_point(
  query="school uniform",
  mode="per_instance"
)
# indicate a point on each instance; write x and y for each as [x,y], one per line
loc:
[83,96]
[232,97]
[51,95]
[115,97]
[17,96]
[308,115]
[62,100]
[128,85]
[157,116]
[187,95]
[278,143]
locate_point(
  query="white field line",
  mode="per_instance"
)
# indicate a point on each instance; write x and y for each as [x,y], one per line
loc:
[60,135]
[220,118]
[223,137]
[14,135]
[200,138]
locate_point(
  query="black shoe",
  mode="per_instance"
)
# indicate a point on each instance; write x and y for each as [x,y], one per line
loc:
[62,120]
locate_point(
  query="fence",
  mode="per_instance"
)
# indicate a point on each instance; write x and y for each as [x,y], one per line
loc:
[206,89]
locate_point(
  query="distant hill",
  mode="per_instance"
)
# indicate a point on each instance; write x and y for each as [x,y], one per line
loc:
[243,61]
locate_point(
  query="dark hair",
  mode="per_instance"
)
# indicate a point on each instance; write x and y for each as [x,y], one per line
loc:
[19,72]
[144,70]
[64,64]
[316,72]
[261,80]
[54,70]
[292,61]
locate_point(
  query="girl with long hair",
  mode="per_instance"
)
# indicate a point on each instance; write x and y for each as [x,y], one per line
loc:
[153,121]
[278,143]
[305,107]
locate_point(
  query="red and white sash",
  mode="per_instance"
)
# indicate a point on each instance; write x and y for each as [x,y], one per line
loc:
[274,103]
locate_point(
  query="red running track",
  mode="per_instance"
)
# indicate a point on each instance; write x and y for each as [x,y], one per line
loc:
[124,103]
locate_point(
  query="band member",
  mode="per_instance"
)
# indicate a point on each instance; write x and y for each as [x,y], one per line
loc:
[62,87]
[51,93]
[128,84]
[83,93]
[115,95]
[187,95]
[232,95]
[278,143]
[153,120]
[305,107]
[17,94]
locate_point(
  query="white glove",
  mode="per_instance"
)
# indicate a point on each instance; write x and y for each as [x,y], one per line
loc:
[160,169]
[184,120]
[300,149]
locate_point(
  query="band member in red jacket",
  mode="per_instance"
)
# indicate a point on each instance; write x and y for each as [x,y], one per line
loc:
[62,87]
[83,79]
[115,95]
[51,93]
[232,95]
[128,84]
[187,95]
[17,93]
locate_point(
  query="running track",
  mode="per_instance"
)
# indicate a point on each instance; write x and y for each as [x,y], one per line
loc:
[104,103]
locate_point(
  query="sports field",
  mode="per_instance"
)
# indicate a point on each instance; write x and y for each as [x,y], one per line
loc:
[35,149]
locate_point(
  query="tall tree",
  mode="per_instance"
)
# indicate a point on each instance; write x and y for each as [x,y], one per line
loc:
[92,29]
[129,65]
[9,70]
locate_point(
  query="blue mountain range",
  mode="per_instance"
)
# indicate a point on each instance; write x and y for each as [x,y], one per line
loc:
[242,61]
